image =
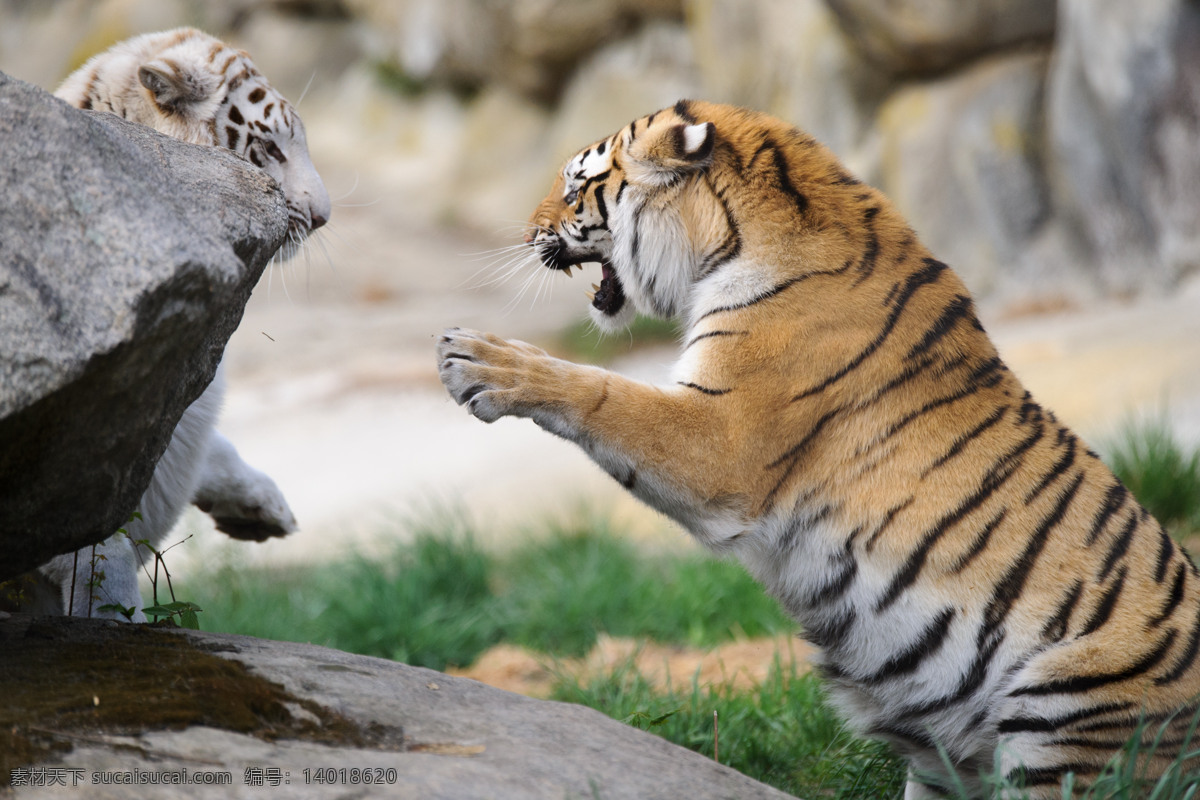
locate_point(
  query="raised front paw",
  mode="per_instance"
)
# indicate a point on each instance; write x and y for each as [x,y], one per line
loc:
[484,372]
[247,506]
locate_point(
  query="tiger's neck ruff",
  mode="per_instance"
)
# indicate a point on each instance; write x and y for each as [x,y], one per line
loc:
[840,421]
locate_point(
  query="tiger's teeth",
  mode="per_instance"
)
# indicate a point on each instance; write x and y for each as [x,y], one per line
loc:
[595,287]
[590,296]
[568,271]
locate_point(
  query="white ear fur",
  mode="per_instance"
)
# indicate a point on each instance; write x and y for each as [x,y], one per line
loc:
[173,85]
[697,139]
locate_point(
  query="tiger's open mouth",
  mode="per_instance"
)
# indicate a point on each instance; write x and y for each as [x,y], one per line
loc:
[609,296]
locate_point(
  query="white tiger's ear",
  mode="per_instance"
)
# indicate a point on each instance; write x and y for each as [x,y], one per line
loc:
[175,86]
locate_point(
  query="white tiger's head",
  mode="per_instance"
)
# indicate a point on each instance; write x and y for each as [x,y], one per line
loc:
[192,86]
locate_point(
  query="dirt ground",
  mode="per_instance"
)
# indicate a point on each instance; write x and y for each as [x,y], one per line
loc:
[740,664]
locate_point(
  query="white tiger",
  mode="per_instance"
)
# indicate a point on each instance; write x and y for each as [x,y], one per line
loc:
[191,86]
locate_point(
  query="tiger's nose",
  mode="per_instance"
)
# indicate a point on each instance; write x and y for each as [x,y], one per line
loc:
[317,221]
[528,238]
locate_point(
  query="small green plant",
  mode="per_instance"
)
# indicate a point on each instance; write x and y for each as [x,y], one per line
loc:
[185,611]
[1161,472]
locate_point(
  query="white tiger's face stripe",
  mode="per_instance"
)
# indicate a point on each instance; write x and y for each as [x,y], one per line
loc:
[194,87]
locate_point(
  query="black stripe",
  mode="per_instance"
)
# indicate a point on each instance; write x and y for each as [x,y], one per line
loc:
[1001,471]
[916,560]
[928,643]
[830,633]
[1166,548]
[1049,724]
[795,450]
[1105,607]
[914,736]
[967,438]
[1065,462]
[710,334]
[969,389]
[968,684]
[731,247]
[1185,661]
[765,295]
[601,206]
[1013,582]
[910,373]
[866,265]
[981,542]
[620,191]
[1174,598]
[887,520]
[683,109]
[1085,683]
[1056,627]
[1119,546]
[930,274]
[783,175]
[1113,500]
[836,587]
[958,308]
[630,480]
[705,389]
[1045,776]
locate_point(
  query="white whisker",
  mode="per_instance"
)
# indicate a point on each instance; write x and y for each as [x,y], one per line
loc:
[307,86]
[337,200]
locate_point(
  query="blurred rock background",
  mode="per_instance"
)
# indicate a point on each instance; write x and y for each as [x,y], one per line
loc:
[1047,150]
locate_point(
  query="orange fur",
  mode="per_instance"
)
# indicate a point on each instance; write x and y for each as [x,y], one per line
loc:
[841,422]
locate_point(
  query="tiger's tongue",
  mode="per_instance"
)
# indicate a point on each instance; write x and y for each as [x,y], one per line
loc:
[610,296]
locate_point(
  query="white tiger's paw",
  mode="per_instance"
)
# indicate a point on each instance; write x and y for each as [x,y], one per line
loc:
[244,502]
[484,372]
[254,510]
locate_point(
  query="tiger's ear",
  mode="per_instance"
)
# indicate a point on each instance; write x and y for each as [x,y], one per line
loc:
[680,148]
[175,86]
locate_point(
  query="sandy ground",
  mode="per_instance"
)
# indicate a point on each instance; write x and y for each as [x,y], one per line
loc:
[334,390]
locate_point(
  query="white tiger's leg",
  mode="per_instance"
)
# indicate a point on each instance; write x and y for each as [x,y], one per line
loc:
[171,488]
[243,502]
[914,789]
[91,578]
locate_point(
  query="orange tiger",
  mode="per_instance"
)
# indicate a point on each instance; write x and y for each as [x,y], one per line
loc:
[975,577]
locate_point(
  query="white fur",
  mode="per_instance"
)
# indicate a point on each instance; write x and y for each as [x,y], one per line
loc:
[199,465]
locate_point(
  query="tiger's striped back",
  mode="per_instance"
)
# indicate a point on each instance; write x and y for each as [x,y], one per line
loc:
[976,578]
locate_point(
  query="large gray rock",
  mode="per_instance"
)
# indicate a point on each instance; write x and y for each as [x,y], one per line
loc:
[788,58]
[1123,115]
[927,36]
[440,737]
[126,259]
[529,46]
[962,159]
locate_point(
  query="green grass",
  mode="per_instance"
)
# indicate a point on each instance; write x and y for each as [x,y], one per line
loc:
[441,600]
[783,733]
[1161,472]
